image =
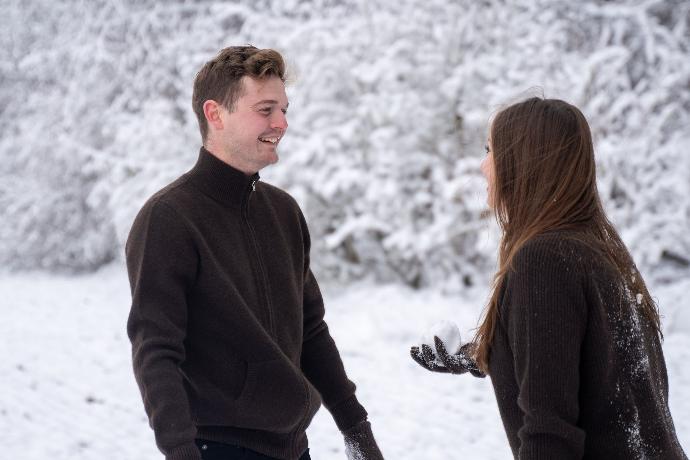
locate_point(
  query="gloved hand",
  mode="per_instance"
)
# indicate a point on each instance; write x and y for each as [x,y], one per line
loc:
[360,443]
[442,361]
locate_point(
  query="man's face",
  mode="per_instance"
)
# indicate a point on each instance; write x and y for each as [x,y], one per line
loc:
[251,133]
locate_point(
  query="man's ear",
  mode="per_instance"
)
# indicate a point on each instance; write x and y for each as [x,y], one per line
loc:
[212,111]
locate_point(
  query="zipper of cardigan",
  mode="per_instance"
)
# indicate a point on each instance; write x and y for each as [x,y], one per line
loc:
[262,271]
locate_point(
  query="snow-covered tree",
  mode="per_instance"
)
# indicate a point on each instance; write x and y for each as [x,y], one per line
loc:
[389,106]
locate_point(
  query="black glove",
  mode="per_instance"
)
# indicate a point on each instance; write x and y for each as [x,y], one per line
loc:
[360,443]
[459,363]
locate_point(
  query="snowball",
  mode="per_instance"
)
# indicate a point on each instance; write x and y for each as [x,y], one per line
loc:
[448,332]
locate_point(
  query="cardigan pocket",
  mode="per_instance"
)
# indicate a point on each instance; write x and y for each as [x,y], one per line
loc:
[275,397]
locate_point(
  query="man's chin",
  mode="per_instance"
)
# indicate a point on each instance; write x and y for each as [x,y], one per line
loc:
[268,160]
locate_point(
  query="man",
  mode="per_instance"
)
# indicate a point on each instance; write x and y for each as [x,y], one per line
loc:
[230,349]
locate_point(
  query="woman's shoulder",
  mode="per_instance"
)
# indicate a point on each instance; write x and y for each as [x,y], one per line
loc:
[548,278]
[562,248]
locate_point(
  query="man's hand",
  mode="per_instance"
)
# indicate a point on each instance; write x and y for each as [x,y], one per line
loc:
[360,443]
[443,362]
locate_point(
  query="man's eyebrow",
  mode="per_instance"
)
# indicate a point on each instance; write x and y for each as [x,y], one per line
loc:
[270,101]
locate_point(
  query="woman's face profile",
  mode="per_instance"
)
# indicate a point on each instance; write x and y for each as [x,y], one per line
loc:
[487,168]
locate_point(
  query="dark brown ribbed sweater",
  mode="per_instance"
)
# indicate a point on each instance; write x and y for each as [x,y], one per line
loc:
[228,338]
[578,373]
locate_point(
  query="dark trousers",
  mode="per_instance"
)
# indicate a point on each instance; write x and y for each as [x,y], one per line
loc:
[218,451]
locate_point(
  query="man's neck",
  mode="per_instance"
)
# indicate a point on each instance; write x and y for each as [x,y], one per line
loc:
[228,159]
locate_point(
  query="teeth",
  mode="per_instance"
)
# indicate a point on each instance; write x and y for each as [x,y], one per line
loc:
[272,140]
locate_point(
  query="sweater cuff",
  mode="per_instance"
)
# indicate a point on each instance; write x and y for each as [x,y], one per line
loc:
[348,413]
[184,452]
[360,443]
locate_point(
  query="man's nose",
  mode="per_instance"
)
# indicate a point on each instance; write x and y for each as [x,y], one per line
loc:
[279,121]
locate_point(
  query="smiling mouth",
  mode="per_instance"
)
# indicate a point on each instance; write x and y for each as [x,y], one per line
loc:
[270,140]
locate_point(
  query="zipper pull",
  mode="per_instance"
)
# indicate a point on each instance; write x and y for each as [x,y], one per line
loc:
[253,186]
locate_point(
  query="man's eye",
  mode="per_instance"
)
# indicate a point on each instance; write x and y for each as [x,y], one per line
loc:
[486,147]
[265,110]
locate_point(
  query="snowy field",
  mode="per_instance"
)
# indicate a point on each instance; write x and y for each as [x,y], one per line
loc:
[67,391]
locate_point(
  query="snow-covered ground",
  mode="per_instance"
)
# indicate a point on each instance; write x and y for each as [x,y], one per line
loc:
[67,391]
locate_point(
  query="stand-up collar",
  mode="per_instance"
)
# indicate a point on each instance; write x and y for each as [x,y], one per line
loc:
[221,181]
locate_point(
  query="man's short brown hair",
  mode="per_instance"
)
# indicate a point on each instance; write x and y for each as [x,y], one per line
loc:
[220,79]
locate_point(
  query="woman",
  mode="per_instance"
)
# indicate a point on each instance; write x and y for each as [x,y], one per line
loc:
[570,336]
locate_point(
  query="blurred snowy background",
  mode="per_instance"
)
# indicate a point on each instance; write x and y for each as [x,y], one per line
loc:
[389,101]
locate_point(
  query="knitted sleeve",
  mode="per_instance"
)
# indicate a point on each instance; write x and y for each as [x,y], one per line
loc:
[162,263]
[546,315]
[321,361]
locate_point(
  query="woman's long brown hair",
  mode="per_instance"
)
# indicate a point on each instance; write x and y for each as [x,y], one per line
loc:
[545,179]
